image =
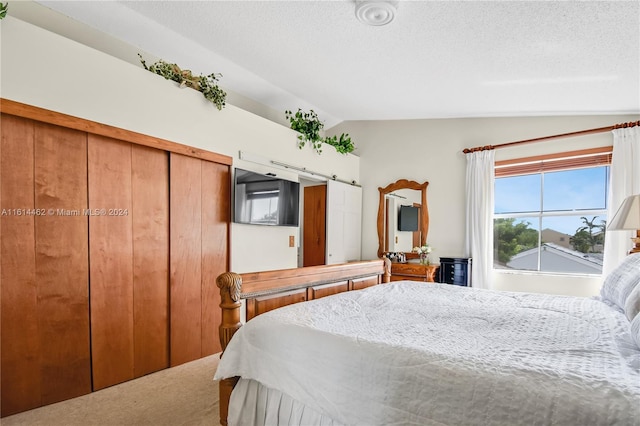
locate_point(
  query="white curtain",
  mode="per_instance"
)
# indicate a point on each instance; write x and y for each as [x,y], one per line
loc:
[479,237]
[624,181]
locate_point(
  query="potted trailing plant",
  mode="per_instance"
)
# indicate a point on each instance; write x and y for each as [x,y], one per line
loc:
[342,144]
[208,84]
[309,127]
[3,9]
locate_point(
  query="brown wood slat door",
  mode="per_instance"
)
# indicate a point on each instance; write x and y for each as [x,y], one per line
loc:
[111,261]
[216,189]
[314,238]
[150,222]
[62,264]
[185,258]
[20,359]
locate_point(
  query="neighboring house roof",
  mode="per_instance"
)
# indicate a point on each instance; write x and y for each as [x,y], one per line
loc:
[556,237]
[555,258]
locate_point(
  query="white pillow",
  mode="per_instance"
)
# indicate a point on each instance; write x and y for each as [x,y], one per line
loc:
[635,330]
[621,281]
[632,305]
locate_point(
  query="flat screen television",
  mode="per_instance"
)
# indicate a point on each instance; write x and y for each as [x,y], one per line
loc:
[408,218]
[265,199]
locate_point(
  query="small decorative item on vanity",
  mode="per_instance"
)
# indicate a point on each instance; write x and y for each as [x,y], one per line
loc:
[396,257]
[423,251]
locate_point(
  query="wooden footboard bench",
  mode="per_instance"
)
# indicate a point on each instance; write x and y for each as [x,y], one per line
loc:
[267,290]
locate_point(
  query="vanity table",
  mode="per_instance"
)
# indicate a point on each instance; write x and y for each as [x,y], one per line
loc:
[413,272]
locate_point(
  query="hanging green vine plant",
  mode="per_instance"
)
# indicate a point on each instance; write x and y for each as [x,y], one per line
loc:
[309,127]
[3,9]
[208,84]
[343,144]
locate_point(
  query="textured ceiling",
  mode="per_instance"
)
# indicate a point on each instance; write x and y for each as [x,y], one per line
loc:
[438,59]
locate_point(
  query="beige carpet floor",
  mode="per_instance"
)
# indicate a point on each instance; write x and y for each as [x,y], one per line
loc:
[185,395]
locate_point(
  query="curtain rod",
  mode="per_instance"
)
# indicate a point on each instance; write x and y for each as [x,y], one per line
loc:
[563,135]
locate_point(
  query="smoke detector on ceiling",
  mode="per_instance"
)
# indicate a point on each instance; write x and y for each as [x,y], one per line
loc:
[376,12]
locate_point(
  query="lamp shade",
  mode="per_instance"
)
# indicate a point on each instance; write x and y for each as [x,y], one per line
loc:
[628,215]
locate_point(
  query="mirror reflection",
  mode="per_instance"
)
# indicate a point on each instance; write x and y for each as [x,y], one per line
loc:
[403,217]
[402,230]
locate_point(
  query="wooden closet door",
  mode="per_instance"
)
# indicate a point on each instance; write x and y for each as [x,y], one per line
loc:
[216,213]
[21,384]
[200,211]
[111,261]
[62,262]
[186,258]
[44,278]
[129,247]
[150,221]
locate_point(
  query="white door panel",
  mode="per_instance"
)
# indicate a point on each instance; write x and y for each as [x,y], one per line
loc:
[344,222]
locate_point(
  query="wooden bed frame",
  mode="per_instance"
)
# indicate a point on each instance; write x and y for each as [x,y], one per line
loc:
[264,291]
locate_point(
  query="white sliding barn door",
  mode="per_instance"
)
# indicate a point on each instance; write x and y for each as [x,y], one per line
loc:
[344,222]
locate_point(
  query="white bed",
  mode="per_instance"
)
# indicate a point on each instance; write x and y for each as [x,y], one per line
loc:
[416,353]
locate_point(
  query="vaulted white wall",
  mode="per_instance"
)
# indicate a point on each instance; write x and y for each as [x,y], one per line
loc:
[46,70]
[431,150]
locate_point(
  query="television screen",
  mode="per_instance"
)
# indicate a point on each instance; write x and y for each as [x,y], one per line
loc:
[265,199]
[408,218]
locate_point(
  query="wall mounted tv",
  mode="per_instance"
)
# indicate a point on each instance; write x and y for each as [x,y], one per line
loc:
[408,218]
[265,199]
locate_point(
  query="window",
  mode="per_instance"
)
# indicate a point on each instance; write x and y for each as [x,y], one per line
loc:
[550,212]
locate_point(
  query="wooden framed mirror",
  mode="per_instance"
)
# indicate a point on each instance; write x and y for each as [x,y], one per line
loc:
[384,215]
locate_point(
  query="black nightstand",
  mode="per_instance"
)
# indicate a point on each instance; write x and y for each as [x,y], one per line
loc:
[455,270]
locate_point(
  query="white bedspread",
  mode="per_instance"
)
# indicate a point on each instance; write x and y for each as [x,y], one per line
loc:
[415,353]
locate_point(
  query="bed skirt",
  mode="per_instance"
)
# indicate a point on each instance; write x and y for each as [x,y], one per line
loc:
[255,404]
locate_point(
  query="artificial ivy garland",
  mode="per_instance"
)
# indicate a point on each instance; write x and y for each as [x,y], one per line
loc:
[206,84]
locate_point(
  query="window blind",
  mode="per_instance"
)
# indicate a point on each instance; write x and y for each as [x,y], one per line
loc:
[554,162]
